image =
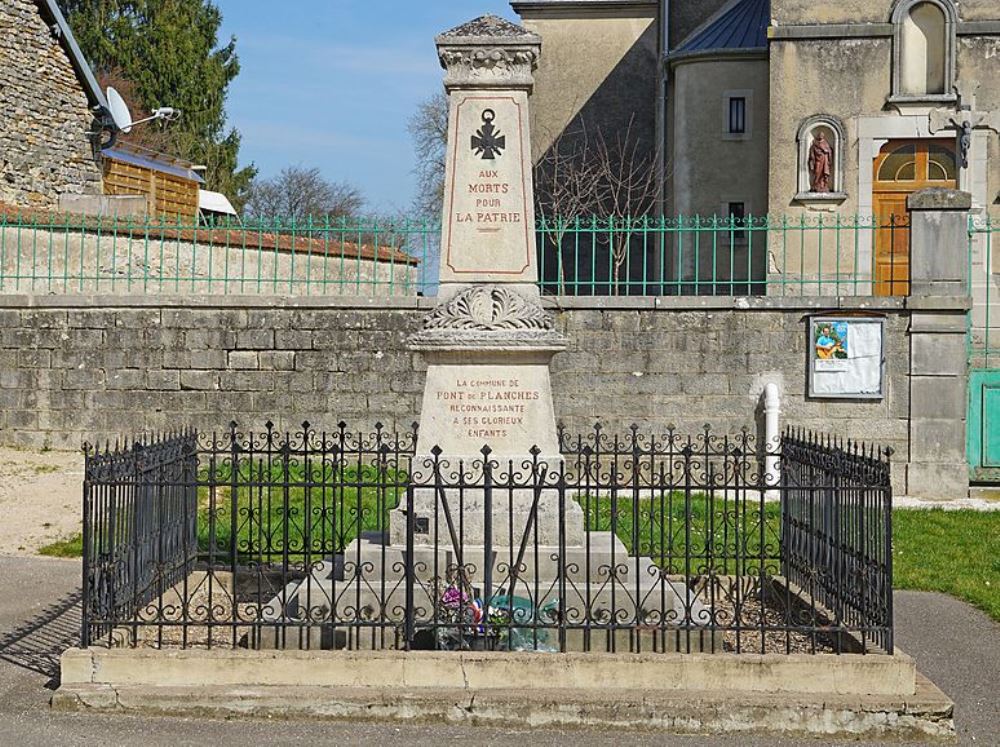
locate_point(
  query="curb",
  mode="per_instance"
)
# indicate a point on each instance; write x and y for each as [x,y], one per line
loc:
[928,713]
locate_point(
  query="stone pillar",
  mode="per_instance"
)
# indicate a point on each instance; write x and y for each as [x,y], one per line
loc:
[488,397]
[938,467]
[488,344]
[488,221]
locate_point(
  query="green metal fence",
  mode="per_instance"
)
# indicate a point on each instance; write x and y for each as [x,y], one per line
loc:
[984,286]
[829,255]
[50,254]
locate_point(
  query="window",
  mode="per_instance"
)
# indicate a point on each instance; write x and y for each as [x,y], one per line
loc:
[924,50]
[918,162]
[900,165]
[738,220]
[922,57]
[942,165]
[737,115]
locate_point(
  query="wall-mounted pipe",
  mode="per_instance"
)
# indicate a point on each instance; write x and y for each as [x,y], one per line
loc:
[772,435]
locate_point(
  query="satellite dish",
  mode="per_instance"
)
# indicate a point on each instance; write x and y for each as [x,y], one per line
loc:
[119,111]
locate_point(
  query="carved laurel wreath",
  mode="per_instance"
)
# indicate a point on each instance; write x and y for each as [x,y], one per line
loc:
[489,308]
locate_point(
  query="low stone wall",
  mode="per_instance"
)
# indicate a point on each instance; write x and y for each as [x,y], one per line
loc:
[75,369]
[873,697]
[846,674]
[61,260]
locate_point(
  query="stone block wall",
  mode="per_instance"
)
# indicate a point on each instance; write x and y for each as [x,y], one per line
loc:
[44,148]
[75,370]
[690,367]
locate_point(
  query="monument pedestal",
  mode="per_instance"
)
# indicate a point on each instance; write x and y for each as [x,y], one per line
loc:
[487,516]
[488,419]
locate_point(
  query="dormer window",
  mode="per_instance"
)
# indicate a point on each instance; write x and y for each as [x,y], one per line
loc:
[924,50]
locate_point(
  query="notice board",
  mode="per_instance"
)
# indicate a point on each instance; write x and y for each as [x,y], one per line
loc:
[846,357]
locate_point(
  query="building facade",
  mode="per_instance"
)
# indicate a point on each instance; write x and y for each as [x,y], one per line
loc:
[802,129]
[901,94]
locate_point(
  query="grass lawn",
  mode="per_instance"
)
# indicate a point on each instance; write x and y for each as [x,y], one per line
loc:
[71,547]
[954,552]
[267,516]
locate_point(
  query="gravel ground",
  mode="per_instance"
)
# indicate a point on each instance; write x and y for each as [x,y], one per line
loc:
[40,498]
[215,603]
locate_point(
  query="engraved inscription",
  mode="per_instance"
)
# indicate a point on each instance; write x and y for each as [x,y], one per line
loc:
[485,408]
[489,223]
[492,204]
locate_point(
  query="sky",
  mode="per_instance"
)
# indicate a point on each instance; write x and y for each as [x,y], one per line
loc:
[332,84]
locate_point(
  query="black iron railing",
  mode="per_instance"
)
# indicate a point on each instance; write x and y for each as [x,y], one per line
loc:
[140,518]
[620,543]
[836,524]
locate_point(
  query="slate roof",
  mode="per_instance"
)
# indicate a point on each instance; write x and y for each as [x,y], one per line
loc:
[84,73]
[740,25]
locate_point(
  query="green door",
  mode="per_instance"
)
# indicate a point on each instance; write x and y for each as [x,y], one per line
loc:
[984,425]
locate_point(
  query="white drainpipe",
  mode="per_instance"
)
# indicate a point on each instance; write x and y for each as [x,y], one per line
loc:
[772,435]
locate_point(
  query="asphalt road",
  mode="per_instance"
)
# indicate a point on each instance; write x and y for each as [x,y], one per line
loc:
[955,645]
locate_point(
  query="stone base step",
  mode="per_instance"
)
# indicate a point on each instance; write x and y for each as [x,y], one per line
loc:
[389,638]
[927,714]
[985,492]
[592,561]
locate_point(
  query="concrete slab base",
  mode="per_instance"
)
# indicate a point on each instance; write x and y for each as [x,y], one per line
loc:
[927,713]
[870,695]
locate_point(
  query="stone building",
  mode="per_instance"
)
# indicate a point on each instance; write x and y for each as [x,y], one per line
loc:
[824,116]
[737,92]
[48,100]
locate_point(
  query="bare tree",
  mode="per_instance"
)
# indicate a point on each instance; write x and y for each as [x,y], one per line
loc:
[566,190]
[299,193]
[428,127]
[628,188]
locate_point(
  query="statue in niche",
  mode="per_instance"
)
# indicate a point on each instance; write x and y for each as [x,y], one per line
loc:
[821,164]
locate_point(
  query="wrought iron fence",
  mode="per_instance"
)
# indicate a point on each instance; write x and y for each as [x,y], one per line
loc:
[826,255]
[836,527]
[140,523]
[336,539]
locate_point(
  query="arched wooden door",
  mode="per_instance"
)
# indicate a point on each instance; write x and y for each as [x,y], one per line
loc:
[903,167]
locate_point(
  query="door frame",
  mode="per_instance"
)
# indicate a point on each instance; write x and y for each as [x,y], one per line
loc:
[898,191]
[979,380]
[874,131]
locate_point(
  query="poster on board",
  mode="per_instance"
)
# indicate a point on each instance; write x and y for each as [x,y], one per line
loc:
[846,358]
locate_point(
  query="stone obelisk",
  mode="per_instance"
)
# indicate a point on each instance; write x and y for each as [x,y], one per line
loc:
[488,344]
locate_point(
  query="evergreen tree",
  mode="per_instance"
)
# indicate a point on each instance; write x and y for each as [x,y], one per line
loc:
[169,51]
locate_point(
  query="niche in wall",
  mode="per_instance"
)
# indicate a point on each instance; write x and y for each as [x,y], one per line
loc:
[821,143]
